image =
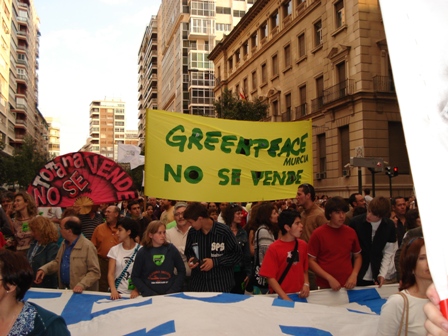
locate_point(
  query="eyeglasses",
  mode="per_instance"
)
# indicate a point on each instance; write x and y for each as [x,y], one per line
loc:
[179,213]
[413,239]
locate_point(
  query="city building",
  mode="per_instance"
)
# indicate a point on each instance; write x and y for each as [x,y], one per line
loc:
[54,140]
[147,77]
[19,52]
[174,71]
[326,61]
[107,126]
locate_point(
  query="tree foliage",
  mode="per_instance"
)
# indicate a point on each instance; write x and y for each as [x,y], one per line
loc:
[23,165]
[230,106]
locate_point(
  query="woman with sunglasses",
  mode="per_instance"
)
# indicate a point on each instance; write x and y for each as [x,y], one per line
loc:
[403,314]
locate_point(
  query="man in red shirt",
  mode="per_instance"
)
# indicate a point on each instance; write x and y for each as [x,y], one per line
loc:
[280,253]
[330,249]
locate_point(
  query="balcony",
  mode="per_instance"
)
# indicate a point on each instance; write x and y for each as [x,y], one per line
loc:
[21,123]
[22,78]
[317,104]
[338,91]
[22,19]
[286,116]
[383,84]
[300,111]
[20,108]
[22,61]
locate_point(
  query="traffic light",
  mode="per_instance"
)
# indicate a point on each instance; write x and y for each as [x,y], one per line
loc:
[388,171]
[395,171]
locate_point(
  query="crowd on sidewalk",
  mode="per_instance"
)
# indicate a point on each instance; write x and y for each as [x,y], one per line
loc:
[152,246]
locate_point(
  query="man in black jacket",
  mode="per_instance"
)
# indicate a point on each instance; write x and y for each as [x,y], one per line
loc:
[377,237]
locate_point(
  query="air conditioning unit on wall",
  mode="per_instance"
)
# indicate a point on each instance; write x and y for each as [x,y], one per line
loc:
[320,176]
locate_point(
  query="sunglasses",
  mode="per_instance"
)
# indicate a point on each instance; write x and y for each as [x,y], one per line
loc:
[412,240]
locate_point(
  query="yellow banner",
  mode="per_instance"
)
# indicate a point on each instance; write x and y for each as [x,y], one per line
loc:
[203,159]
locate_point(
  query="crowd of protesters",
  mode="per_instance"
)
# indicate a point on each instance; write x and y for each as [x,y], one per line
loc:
[152,246]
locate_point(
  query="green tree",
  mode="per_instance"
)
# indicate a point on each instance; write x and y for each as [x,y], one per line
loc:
[23,165]
[230,106]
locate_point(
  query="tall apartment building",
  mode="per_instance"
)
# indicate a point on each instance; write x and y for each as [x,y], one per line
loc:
[54,139]
[147,77]
[19,52]
[326,61]
[189,30]
[107,127]
[186,32]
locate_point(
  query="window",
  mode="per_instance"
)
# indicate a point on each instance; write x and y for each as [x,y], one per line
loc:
[230,63]
[287,8]
[322,155]
[287,51]
[202,26]
[245,87]
[302,94]
[301,44]
[274,21]
[274,107]
[238,13]
[223,10]
[318,102]
[264,73]
[339,13]
[264,30]
[398,154]
[274,65]
[288,105]
[245,48]
[223,27]
[344,146]
[237,56]
[202,8]
[318,33]
[200,61]
[320,86]
[342,79]
[254,80]
[254,40]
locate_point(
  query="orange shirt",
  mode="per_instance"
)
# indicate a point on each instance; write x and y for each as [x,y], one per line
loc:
[104,238]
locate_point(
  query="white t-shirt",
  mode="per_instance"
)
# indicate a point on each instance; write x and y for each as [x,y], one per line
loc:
[50,212]
[391,311]
[122,257]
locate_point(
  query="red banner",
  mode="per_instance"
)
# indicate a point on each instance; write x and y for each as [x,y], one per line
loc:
[68,177]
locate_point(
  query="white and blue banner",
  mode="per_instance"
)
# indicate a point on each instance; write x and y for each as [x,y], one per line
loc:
[325,312]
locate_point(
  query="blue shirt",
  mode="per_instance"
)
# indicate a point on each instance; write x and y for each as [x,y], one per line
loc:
[65,263]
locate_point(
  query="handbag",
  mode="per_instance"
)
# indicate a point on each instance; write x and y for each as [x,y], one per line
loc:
[255,278]
[118,280]
[405,312]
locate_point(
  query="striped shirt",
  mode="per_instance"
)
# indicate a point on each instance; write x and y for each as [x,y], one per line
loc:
[221,246]
[88,224]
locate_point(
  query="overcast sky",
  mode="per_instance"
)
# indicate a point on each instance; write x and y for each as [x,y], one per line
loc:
[89,51]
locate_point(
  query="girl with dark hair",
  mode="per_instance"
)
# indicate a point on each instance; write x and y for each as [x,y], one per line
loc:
[158,268]
[265,232]
[18,317]
[25,211]
[232,216]
[416,278]
[121,259]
